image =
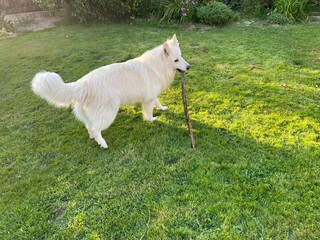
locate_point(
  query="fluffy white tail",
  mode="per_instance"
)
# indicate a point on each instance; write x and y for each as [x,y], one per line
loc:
[51,87]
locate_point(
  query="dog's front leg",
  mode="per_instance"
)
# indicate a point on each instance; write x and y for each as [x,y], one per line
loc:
[159,106]
[147,109]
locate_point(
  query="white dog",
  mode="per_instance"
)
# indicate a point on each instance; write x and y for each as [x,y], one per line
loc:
[96,97]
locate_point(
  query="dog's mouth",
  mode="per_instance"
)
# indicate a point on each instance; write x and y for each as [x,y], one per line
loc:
[188,67]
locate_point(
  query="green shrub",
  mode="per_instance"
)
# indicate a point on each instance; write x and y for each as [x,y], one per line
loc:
[84,10]
[180,10]
[171,11]
[153,8]
[215,13]
[249,7]
[313,3]
[49,4]
[292,9]
[234,4]
[277,18]
[252,7]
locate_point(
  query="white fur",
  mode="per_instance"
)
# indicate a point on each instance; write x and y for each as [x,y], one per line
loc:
[96,97]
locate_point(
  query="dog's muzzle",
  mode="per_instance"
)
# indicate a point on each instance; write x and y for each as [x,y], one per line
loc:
[187,68]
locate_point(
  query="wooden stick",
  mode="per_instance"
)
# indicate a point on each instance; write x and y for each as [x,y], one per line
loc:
[185,106]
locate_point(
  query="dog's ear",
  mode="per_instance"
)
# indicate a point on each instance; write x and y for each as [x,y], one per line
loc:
[166,48]
[174,38]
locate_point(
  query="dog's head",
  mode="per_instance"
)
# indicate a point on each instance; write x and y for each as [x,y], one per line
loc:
[172,51]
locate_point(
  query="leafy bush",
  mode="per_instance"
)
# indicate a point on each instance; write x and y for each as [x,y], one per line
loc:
[181,10]
[171,11]
[277,18]
[215,13]
[250,7]
[233,4]
[313,3]
[84,10]
[156,6]
[253,7]
[49,4]
[292,9]
[148,8]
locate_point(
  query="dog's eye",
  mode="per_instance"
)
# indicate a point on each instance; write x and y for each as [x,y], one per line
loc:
[177,60]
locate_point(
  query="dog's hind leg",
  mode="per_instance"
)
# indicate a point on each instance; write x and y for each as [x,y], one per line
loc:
[101,119]
[159,106]
[81,115]
[96,134]
[147,109]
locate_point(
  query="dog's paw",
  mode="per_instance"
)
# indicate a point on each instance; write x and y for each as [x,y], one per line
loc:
[149,119]
[164,108]
[104,146]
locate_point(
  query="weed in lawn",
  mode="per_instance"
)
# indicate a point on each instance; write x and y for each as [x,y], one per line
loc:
[254,173]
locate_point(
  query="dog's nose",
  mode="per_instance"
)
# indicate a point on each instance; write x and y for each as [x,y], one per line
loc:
[188,67]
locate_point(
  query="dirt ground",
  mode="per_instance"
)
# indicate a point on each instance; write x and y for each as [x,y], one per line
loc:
[30,22]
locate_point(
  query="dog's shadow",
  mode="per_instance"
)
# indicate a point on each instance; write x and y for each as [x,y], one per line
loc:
[170,129]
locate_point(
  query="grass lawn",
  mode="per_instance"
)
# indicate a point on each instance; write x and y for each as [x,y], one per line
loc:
[255,173]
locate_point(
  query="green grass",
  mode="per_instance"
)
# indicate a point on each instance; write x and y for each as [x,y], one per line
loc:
[255,171]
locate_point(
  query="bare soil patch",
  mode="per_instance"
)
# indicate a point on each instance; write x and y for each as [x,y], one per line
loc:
[30,22]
